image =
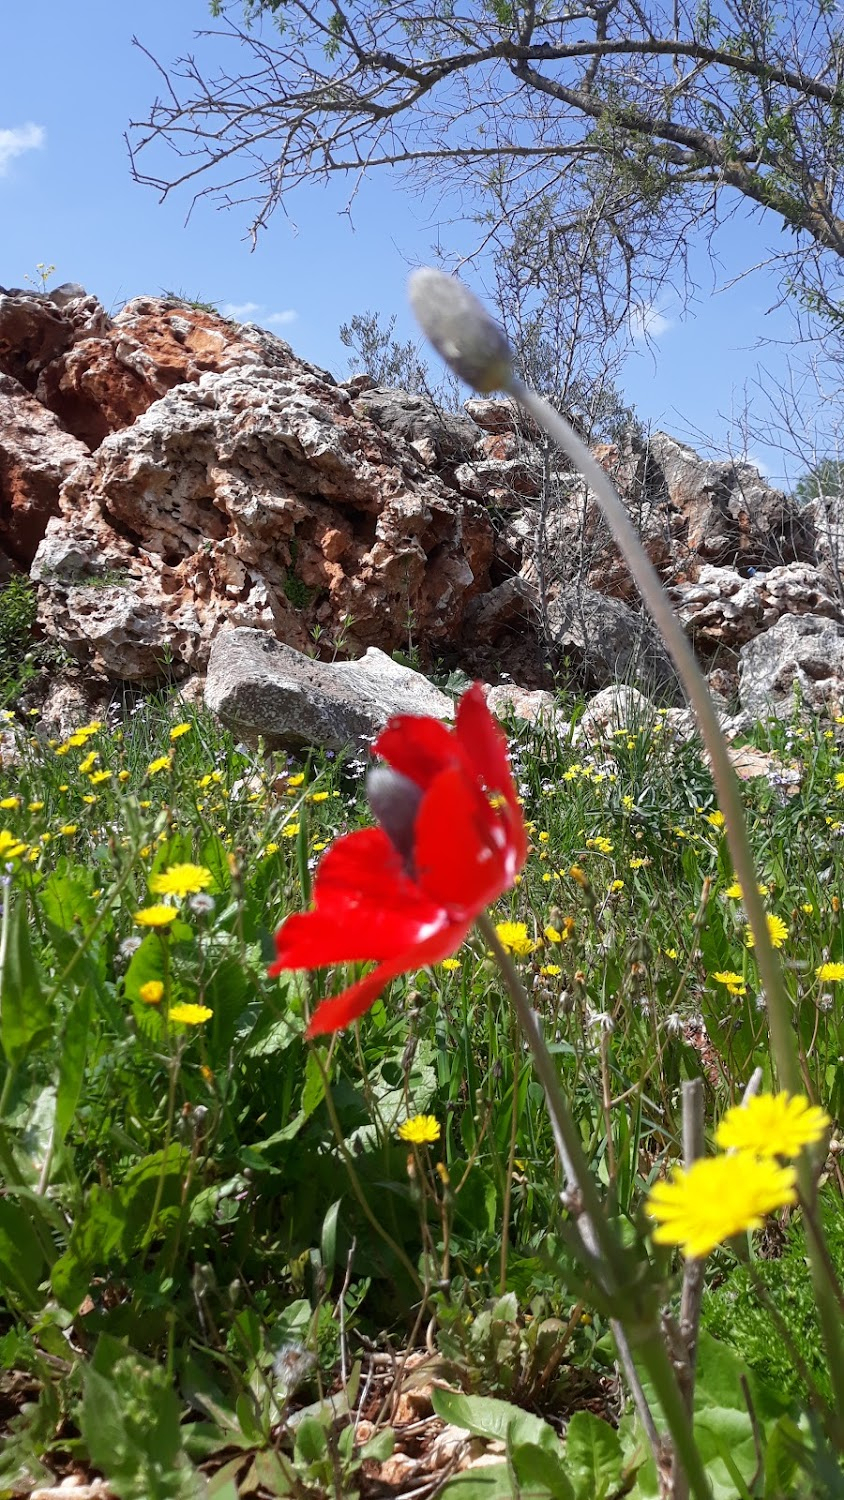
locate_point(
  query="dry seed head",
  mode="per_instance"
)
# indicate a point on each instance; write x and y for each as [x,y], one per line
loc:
[461,330]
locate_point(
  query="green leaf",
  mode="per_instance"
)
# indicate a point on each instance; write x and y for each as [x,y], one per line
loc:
[540,1472]
[313,1092]
[25,1016]
[492,1483]
[21,1258]
[146,963]
[73,1052]
[380,1446]
[311,1441]
[488,1418]
[328,1240]
[594,1461]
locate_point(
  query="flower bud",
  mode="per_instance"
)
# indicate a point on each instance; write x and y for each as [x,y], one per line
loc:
[461,330]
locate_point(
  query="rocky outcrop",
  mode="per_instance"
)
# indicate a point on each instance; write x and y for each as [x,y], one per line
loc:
[724,513]
[723,608]
[799,658]
[169,475]
[258,686]
[36,456]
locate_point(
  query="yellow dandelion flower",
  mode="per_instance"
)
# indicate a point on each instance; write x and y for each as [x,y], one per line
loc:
[123,775]
[271,849]
[156,916]
[830,973]
[544,837]
[179,729]
[318,848]
[839,780]
[99,777]
[189,1015]
[777,931]
[318,797]
[290,830]
[603,845]
[163,763]
[772,1125]
[35,806]
[9,802]
[10,845]
[513,937]
[420,1130]
[152,992]
[181,880]
[450,965]
[638,862]
[617,885]
[734,982]
[716,1198]
[716,818]
[551,971]
[808,908]
[88,763]
[296,780]
[68,829]
[579,875]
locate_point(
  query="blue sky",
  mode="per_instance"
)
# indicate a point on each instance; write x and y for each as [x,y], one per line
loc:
[73,80]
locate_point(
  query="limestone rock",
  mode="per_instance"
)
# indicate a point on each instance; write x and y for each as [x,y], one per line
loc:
[258,686]
[616,707]
[36,455]
[33,331]
[531,706]
[805,652]
[721,607]
[415,418]
[609,643]
[724,513]
[255,497]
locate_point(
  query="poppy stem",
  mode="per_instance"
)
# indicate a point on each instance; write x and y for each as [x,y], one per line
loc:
[603,1253]
[777,1003]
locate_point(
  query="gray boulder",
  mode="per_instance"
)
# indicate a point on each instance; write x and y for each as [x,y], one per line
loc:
[258,686]
[800,652]
[610,643]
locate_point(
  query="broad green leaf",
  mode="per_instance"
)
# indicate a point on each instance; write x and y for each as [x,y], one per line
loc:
[594,1461]
[311,1441]
[540,1472]
[488,1418]
[25,1016]
[488,1483]
[380,1446]
[66,898]
[22,1263]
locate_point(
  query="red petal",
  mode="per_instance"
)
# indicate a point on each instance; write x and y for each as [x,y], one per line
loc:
[340,1010]
[483,743]
[366,907]
[459,845]
[420,748]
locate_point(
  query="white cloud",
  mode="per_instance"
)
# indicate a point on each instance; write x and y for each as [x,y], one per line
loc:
[17,140]
[759,464]
[280,319]
[239,310]
[647,322]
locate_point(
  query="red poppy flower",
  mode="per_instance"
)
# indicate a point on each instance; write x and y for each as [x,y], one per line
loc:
[450,839]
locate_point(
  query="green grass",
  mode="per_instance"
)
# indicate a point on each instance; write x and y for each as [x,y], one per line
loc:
[183,1217]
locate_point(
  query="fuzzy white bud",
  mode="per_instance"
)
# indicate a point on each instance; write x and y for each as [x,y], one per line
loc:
[461,330]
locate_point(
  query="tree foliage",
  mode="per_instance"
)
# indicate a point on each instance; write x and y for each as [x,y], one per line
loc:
[825,478]
[668,115]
